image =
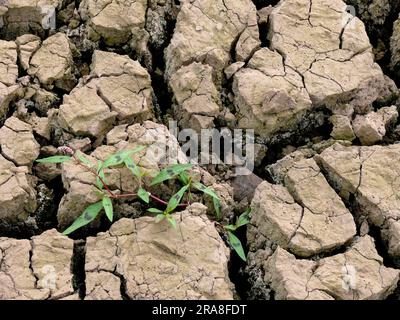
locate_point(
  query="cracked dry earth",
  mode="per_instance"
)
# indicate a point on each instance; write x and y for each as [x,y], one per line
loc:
[319,87]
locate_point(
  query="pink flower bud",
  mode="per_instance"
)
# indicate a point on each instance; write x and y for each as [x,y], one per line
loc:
[66,150]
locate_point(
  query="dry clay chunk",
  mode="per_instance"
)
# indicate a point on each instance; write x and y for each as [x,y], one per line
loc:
[315,58]
[157,262]
[119,89]
[371,174]
[357,274]
[37,269]
[8,75]
[306,217]
[114,21]
[206,30]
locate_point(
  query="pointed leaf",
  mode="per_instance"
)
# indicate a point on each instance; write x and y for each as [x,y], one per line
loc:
[201,187]
[184,178]
[130,164]
[54,159]
[160,217]
[100,184]
[210,192]
[176,199]
[81,157]
[243,219]
[217,207]
[154,210]
[170,172]
[101,174]
[86,217]
[172,221]
[144,195]
[237,245]
[119,157]
[108,208]
[230,227]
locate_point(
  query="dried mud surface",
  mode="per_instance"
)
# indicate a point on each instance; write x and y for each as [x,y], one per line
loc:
[317,81]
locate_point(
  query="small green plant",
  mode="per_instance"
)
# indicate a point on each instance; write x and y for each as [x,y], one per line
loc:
[177,173]
[106,195]
[231,228]
[180,172]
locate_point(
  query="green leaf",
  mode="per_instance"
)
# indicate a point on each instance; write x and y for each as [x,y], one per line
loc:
[154,210]
[176,199]
[210,192]
[101,174]
[86,217]
[170,172]
[171,221]
[130,164]
[144,195]
[237,245]
[184,178]
[201,187]
[81,157]
[160,217]
[119,157]
[54,159]
[243,219]
[108,208]
[98,182]
[230,227]
[217,207]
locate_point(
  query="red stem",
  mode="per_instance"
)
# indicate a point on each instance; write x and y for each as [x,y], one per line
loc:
[96,174]
[125,195]
[158,199]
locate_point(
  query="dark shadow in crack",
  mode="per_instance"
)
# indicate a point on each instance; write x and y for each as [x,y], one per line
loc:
[264,3]
[78,268]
